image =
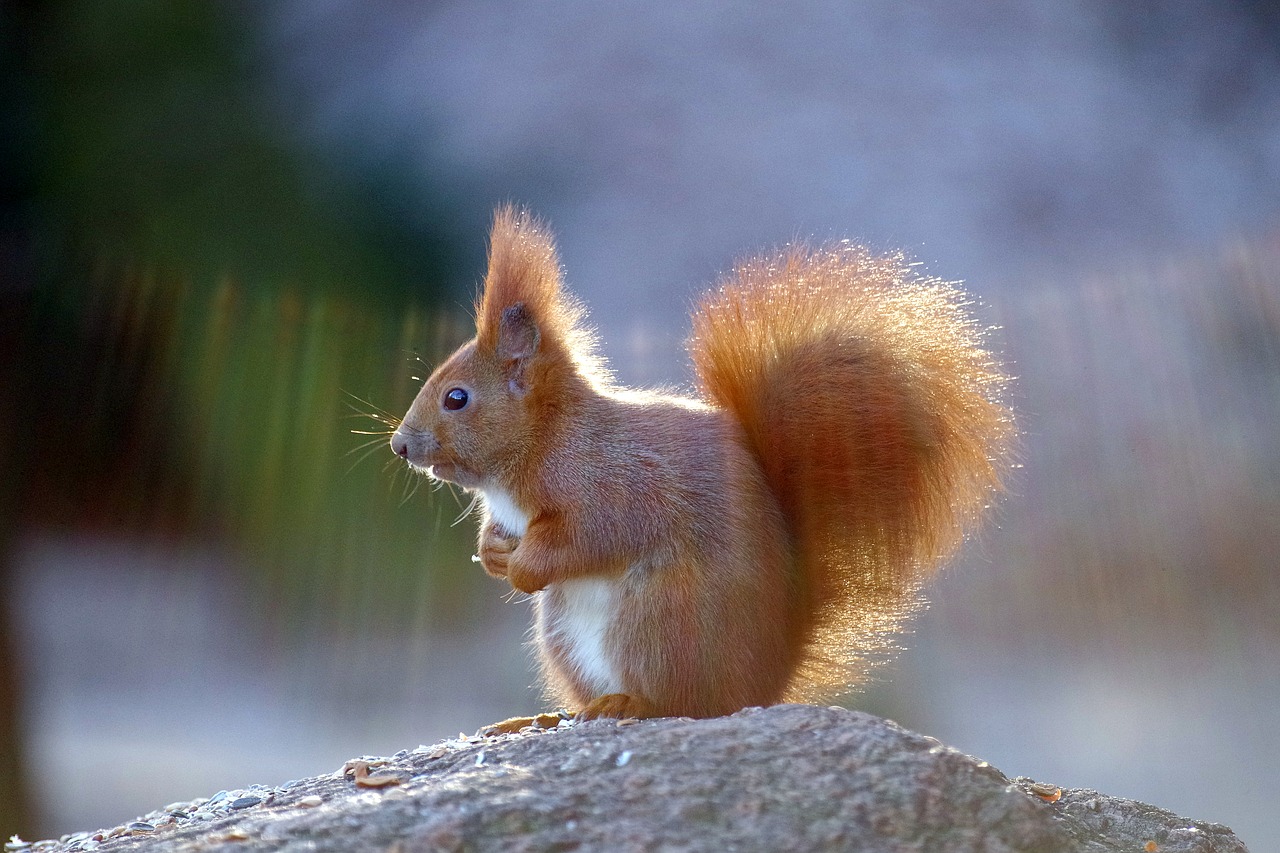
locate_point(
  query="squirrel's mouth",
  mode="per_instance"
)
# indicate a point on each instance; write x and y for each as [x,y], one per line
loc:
[452,473]
[423,453]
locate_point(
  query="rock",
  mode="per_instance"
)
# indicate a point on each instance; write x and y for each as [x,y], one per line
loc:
[791,777]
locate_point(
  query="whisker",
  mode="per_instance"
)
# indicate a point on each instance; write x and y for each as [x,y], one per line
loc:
[445,484]
[362,401]
[400,479]
[417,484]
[513,595]
[372,450]
[385,421]
[411,480]
[365,445]
[475,501]
[435,532]
[359,413]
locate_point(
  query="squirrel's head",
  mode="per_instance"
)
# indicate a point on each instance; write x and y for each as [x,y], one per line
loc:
[495,400]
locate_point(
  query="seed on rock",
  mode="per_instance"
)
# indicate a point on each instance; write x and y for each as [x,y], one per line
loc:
[142,826]
[1048,793]
[364,781]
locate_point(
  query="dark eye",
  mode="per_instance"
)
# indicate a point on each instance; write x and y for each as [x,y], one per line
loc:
[455,398]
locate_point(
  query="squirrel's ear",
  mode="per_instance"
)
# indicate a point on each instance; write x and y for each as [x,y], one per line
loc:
[518,338]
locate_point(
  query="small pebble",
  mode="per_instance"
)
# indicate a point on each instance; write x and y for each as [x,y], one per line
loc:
[245,802]
[142,826]
[311,801]
[623,758]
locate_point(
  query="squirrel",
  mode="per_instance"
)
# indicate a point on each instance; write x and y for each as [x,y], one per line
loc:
[759,543]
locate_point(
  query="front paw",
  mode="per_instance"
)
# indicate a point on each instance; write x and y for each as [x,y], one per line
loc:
[495,550]
[524,580]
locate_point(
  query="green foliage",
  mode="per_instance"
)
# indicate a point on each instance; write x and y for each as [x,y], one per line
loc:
[243,300]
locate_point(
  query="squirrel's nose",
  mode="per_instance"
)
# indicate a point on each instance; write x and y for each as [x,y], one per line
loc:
[415,446]
[400,444]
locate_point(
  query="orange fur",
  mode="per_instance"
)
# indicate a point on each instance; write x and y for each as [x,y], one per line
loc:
[697,556]
[873,409]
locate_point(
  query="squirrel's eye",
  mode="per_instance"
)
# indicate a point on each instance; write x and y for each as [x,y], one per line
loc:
[455,398]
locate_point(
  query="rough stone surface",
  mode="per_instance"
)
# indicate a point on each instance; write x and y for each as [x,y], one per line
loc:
[785,778]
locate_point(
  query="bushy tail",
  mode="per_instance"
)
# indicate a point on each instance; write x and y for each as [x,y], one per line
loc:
[875,412]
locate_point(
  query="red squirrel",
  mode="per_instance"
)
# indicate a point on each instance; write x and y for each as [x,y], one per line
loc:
[755,544]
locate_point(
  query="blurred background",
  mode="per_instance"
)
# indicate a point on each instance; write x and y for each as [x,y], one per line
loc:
[234,237]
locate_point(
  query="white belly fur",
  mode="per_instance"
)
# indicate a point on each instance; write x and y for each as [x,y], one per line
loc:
[585,606]
[504,511]
[581,622]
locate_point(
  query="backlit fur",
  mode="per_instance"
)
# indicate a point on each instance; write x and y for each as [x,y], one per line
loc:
[692,557]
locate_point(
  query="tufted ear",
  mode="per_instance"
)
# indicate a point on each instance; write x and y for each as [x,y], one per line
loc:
[518,339]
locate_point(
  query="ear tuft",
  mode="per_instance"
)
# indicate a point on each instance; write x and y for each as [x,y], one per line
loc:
[523,269]
[523,306]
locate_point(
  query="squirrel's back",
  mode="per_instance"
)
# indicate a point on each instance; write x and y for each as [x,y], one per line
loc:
[874,410]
